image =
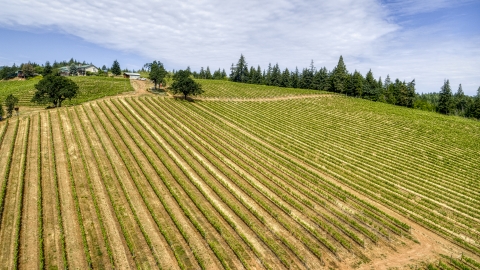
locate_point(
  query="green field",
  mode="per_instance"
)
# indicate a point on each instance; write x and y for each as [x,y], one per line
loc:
[318,182]
[90,88]
[227,89]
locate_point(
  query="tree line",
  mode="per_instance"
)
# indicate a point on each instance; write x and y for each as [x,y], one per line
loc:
[339,80]
[32,69]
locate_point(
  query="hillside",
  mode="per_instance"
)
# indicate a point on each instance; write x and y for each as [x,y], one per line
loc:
[90,88]
[315,181]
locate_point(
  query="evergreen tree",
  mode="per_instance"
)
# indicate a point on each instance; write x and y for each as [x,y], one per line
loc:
[358,84]
[295,78]
[411,95]
[217,74]
[445,104]
[202,75]
[73,71]
[320,80]
[285,81]
[224,74]
[240,71]
[268,77]
[208,74]
[48,69]
[338,79]
[460,101]
[474,109]
[116,70]
[306,79]
[370,90]
[276,76]
[104,68]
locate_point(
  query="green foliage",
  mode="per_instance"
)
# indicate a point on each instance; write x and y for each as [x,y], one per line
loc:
[339,77]
[48,70]
[90,88]
[28,70]
[239,73]
[116,70]
[2,111]
[157,72]
[11,102]
[185,85]
[55,89]
[446,103]
[227,89]
[73,70]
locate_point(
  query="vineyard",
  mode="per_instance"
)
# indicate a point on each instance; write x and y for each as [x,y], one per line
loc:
[324,182]
[226,89]
[90,88]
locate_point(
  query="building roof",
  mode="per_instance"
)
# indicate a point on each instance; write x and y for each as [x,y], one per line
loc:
[131,74]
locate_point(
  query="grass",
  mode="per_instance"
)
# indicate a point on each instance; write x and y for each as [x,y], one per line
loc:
[90,88]
[227,89]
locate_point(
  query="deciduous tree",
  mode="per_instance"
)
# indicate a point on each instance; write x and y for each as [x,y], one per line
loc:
[11,102]
[54,89]
[157,72]
[184,84]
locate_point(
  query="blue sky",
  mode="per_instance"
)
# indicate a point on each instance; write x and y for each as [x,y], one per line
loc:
[429,40]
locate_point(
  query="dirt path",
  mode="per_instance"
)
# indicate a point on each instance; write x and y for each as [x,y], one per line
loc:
[73,236]
[429,249]
[29,232]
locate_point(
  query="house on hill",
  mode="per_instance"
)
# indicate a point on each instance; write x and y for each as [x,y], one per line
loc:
[81,70]
[131,76]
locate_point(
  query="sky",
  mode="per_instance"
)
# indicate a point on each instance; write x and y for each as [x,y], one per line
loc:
[428,40]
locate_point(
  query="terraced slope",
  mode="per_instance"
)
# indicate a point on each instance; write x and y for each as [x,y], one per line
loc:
[318,183]
[90,88]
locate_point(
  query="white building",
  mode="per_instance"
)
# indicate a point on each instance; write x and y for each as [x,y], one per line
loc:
[131,76]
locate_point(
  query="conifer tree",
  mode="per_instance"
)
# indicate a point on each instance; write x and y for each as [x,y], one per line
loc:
[460,101]
[445,103]
[295,78]
[370,90]
[240,71]
[276,76]
[285,81]
[338,79]
[116,70]
[73,71]
[201,75]
[358,84]
[208,74]
[48,69]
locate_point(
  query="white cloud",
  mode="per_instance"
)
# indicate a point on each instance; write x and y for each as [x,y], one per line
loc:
[214,33]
